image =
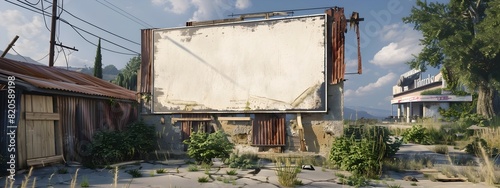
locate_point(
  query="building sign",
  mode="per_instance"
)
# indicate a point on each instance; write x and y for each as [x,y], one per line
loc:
[411,72]
[422,82]
[433,98]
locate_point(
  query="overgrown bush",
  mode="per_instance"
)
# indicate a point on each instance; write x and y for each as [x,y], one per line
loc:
[109,147]
[464,112]
[203,147]
[245,161]
[437,91]
[356,181]
[286,172]
[473,148]
[142,138]
[363,156]
[417,134]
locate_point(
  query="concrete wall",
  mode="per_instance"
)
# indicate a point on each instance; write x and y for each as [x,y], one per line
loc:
[319,130]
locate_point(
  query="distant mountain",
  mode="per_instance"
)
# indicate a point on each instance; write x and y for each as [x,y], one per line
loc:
[20,58]
[372,111]
[351,114]
[107,74]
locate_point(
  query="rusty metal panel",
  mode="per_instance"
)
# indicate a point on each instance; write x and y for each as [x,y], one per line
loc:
[146,61]
[339,25]
[81,118]
[259,66]
[269,130]
[64,80]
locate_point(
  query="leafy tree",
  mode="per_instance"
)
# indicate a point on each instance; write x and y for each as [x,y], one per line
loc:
[460,37]
[98,62]
[127,78]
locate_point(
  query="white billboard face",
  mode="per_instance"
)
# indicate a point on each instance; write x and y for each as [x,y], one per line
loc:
[275,65]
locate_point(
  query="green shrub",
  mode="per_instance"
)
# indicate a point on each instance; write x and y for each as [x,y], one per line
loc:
[437,91]
[363,156]
[109,147]
[417,134]
[473,148]
[142,138]
[203,147]
[355,180]
[245,161]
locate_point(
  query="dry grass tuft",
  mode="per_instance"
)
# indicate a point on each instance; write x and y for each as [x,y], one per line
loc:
[441,149]
[491,136]
[412,162]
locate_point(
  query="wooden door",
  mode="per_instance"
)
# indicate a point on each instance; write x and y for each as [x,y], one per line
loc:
[40,126]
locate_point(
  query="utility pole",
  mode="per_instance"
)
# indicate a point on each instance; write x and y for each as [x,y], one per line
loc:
[10,46]
[53,33]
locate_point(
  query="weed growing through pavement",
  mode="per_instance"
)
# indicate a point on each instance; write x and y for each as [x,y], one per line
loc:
[161,171]
[62,171]
[135,173]
[286,172]
[85,182]
[193,168]
[441,149]
[203,179]
[232,172]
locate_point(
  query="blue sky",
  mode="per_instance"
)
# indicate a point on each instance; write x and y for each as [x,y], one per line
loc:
[386,42]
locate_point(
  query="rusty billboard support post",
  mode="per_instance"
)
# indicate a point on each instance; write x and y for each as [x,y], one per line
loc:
[338,27]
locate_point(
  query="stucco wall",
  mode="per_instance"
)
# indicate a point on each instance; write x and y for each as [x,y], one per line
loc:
[319,130]
[432,109]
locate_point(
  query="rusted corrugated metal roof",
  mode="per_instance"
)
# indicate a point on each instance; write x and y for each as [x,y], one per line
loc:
[59,79]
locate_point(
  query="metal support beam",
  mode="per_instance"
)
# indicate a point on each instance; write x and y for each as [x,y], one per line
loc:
[9,46]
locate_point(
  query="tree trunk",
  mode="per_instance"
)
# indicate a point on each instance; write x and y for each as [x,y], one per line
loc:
[485,101]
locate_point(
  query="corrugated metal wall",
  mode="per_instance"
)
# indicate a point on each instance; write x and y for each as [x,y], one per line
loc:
[269,130]
[145,74]
[339,23]
[4,120]
[82,117]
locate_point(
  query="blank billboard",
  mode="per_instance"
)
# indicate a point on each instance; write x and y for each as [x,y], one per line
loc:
[272,65]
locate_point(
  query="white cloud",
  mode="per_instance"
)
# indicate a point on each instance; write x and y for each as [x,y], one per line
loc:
[364,90]
[403,44]
[29,30]
[175,6]
[203,9]
[243,4]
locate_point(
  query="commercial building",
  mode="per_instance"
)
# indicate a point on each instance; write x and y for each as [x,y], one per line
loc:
[417,95]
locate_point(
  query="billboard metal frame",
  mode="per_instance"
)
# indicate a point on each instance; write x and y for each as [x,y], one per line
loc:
[324,85]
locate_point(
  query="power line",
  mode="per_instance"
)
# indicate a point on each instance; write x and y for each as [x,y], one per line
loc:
[111,33]
[126,12]
[75,28]
[32,3]
[137,20]
[30,9]
[39,11]
[19,54]
[44,20]
[43,57]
